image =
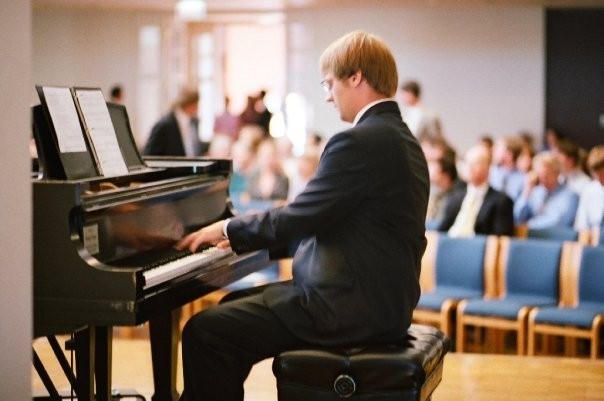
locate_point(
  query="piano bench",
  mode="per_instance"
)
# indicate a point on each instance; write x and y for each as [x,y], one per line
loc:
[406,371]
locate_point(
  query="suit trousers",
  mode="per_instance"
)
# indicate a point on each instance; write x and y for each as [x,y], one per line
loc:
[222,343]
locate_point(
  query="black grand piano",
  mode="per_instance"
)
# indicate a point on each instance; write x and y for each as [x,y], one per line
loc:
[104,254]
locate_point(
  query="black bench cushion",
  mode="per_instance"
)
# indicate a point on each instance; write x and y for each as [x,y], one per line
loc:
[373,369]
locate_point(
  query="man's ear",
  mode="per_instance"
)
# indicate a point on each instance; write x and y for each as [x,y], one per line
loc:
[356,78]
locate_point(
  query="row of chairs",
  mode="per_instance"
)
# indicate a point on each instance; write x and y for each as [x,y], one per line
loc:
[586,236]
[533,287]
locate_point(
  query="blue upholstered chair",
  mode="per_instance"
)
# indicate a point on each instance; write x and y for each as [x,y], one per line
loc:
[554,233]
[581,311]
[528,276]
[463,268]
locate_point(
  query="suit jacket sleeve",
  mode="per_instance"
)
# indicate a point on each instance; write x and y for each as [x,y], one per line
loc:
[336,189]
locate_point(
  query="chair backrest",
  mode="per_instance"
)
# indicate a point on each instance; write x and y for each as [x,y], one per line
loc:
[591,275]
[554,233]
[460,262]
[530,267]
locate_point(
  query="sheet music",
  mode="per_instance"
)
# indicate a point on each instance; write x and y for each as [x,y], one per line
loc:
[102,134]
[65,119]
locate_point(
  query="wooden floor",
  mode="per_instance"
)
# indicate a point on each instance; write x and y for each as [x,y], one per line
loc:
[466,377]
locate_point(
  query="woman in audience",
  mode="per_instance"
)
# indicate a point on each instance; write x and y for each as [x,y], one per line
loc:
[571,163]
[268,183]
[504,175]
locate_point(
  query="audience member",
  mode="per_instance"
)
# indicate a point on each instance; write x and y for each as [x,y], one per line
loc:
[435,148]
[227,123]
[545,202]
[252,134]
[443,180]
[268,182]
[264,114]
[243,153]
[504,175]
[420,119]
[590,213]
[220,147]
[478,208]
[256,112]
[315,142]
[116,94]
[552,136]
[176,134]
[487,141]
[307,165]
[571,164]
[524,162]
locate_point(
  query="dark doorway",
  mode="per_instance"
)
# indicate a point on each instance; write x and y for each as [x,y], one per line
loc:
[575,74]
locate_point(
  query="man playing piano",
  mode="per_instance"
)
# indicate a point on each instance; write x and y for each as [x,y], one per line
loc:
[360,222]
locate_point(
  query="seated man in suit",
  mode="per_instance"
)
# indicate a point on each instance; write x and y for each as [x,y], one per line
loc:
[545,202]
[175,134]
[443,182]
[478,209]
[360,222]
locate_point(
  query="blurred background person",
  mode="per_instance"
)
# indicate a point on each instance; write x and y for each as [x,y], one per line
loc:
[443,180]
[504,174]
[524,162]
[571,164]
[227,123]
[116,94]
[268,183]
[243,153]
[478,208]
[306,164]
[545,201]
[590,213]
[176,133]
[421,120]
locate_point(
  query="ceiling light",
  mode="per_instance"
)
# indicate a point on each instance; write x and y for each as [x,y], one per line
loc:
[191,10]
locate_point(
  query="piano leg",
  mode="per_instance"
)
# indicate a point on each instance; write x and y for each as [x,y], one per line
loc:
[164,335]
[93,353]
[84,354]
[102,362]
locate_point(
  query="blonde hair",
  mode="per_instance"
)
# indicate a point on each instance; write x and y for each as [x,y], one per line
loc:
[547,159]
[364,52]
[595,160]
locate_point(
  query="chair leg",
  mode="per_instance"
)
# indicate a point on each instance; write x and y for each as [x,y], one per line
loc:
[530,350]
[460,336]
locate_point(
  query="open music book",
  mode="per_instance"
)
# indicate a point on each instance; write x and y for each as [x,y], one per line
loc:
[80,135]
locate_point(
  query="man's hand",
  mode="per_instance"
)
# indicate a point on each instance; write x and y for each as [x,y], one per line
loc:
[211,234]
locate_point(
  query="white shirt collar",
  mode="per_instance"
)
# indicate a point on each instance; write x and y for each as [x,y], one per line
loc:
[367,107]
[480,190]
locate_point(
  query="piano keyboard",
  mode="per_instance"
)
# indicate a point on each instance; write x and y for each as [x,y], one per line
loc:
[183,265]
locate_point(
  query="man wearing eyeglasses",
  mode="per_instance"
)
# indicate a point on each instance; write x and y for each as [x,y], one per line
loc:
[360,223]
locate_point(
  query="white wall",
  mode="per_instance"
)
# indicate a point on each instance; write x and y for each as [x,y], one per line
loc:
[481,68]
[15,204]
[93,48]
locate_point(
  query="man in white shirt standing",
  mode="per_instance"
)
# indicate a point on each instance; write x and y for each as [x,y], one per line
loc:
[422,121]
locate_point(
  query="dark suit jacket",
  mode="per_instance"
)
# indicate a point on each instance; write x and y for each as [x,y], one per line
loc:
[361,225]
[165,139]
[496,214]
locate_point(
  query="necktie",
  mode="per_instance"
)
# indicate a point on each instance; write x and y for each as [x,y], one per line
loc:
[466,218]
